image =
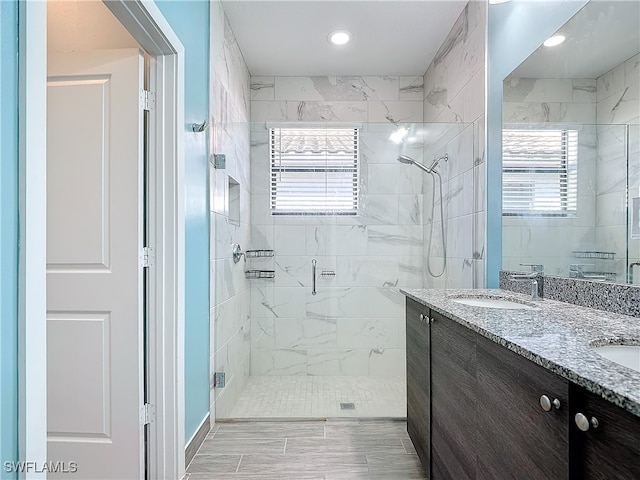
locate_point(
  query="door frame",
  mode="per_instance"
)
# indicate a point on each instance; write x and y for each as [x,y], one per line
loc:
[145,22]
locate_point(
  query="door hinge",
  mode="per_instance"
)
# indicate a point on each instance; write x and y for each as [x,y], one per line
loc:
[147,100]
[147,414]
[147,257]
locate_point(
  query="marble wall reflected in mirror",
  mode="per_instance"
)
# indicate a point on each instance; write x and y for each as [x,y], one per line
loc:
[589,86]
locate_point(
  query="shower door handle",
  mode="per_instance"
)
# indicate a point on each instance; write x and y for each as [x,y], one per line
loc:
[314,262]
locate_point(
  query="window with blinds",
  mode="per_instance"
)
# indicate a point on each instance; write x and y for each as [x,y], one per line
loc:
[540,172]
[314,171]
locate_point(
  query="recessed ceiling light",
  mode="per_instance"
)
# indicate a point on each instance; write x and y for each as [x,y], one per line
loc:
[339,37]
[553,41]
[495,2]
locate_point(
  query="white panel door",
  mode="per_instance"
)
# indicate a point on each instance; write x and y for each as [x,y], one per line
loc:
[94,282]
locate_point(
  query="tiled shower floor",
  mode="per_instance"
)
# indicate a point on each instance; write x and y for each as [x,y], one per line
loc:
[320,397]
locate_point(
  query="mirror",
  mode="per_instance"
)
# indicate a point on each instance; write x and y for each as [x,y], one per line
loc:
[571,150]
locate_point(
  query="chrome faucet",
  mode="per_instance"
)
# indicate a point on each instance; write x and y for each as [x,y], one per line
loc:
[535,275]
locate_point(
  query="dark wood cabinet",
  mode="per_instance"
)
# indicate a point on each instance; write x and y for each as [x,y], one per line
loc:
[474,411]
[517,438]
[418,380]
[610,450]
[453,400]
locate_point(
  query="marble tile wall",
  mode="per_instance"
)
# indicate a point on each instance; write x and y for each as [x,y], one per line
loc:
[454,91]
[549,100]
[230,296]
[355,324]
[368,99]
[618,114]
[552,240]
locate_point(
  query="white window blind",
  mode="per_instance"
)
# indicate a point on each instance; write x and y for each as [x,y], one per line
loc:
[540,172]
[314,171]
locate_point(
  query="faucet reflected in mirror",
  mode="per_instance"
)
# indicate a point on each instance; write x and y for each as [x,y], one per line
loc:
[630,271]
[536,278]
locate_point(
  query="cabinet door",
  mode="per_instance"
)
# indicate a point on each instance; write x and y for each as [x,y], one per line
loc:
[517,438]
[418,380]
[609,451]
[453,400]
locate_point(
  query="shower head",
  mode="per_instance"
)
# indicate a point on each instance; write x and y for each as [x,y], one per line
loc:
[408,160]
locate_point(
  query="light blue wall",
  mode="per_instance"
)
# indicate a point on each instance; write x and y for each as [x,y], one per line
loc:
[516,30]
[190,21]
[8,233]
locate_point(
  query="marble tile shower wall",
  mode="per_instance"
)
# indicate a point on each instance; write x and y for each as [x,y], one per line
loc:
[618,106]
[543,240]
[355,323]
[230,296]
[454,91]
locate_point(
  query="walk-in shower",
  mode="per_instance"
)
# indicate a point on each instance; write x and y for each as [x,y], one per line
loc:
[432,170]
[332,345]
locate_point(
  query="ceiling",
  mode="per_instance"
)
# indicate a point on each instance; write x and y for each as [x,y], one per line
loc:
[390,37]
[80,25]
[599,37]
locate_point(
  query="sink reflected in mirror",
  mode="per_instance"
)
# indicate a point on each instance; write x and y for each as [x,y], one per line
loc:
[490,302]
[625,355]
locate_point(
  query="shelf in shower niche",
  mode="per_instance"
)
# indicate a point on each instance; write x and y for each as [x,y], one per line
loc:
[592,254]
[259,274]
[258,253]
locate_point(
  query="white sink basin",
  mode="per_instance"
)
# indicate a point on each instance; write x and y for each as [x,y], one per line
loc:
[501,303]
[626,355]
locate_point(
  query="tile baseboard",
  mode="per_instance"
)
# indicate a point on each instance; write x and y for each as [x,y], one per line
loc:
[196,441]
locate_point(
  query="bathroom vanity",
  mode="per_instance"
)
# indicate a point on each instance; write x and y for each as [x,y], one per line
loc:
[519,391]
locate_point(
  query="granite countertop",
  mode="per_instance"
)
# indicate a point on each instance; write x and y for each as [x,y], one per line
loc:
[555,335]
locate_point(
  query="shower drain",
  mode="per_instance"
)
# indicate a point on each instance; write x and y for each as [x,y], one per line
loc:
[347,406]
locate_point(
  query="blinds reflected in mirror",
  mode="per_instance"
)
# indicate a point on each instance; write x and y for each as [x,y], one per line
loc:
[540,172]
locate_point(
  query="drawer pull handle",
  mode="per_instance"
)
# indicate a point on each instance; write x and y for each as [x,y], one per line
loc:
[583,423]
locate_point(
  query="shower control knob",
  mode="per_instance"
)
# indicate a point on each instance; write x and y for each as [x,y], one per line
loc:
[546,403]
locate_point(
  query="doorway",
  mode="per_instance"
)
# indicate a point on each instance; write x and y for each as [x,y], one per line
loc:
[147,26]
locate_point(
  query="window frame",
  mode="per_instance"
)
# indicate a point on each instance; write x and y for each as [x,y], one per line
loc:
[339,165]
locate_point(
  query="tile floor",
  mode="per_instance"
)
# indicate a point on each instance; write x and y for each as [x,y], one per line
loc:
[307,450]
[309,397]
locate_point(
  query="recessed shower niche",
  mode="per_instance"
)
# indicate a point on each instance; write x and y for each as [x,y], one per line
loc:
[234,201]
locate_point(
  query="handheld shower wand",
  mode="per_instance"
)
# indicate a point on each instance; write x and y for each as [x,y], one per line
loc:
[409,161]
[431,169]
